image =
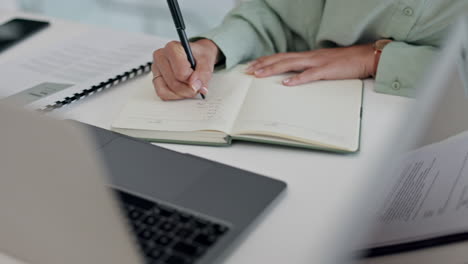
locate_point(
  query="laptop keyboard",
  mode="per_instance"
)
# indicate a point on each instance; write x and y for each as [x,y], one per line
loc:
[168,236]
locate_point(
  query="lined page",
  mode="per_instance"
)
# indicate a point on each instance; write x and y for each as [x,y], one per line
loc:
[75,64]
[146,111]
[325,112]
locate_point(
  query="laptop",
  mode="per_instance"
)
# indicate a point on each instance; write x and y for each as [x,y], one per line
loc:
[72,193]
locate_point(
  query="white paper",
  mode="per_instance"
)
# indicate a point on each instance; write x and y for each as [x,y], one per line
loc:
[83,61]
[430,194]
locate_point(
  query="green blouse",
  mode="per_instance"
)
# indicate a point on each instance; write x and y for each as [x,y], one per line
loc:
[418,27]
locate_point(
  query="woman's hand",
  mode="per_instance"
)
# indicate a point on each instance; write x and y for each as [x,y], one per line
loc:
[324,64]
[174,78]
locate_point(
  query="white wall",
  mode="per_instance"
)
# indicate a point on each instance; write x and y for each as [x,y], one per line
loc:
[150,16]
[8,5]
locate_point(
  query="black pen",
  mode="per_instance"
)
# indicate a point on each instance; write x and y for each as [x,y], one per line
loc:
[180,26]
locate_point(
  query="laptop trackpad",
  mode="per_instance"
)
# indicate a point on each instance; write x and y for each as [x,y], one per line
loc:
[149,170]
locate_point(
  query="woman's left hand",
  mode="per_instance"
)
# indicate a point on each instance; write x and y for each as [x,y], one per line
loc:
[324,64]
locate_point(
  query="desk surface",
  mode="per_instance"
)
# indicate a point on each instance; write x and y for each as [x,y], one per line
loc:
[319,183]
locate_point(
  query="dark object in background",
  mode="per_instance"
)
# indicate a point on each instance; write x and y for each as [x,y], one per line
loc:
[18,29]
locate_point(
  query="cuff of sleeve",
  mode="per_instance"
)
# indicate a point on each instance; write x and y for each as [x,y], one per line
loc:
[401,67]
[236,40]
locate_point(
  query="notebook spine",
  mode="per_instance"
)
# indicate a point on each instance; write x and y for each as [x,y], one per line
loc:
[128,75]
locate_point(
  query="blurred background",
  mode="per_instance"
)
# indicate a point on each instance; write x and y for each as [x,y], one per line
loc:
[148,16]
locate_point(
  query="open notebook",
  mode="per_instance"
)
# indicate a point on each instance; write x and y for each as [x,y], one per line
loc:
[322,115]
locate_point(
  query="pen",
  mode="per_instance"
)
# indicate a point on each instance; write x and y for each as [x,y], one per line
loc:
[180,26]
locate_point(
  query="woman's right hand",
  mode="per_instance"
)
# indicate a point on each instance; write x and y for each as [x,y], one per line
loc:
[174,78]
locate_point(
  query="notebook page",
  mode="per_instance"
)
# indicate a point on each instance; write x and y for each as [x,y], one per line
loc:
[326,112]
[146,111]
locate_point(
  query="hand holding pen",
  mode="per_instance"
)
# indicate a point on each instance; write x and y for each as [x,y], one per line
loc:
[179,75]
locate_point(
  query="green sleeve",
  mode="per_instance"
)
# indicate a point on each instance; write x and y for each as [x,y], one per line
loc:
[251,30]
[401,68]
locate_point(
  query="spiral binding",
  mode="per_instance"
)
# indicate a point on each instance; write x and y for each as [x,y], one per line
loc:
[135,72]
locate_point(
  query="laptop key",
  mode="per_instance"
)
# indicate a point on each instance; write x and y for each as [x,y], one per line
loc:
[167,226]
[155,253]
[205,240]
[163,240]
[135,214]
[169,236]
[146,234]
[186,249]
[184,233]
[150,220]
[138,227]
[177,260]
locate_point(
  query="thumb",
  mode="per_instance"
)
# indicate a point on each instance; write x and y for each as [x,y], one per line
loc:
[201,77]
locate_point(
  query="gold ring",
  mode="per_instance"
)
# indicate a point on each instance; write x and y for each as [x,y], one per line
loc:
[155,77]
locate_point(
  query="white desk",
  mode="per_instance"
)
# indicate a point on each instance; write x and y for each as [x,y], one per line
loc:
[319,184]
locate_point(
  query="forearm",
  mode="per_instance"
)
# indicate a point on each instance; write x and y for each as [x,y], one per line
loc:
[250,31]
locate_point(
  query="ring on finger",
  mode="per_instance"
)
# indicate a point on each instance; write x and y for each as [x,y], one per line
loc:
[157,76]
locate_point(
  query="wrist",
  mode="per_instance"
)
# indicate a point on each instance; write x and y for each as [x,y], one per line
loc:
[369,60]
[212,49]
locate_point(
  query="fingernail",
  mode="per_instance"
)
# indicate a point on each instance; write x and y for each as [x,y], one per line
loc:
[197,85]
[204,90]
[258,72]
[287,81]
[250,69]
